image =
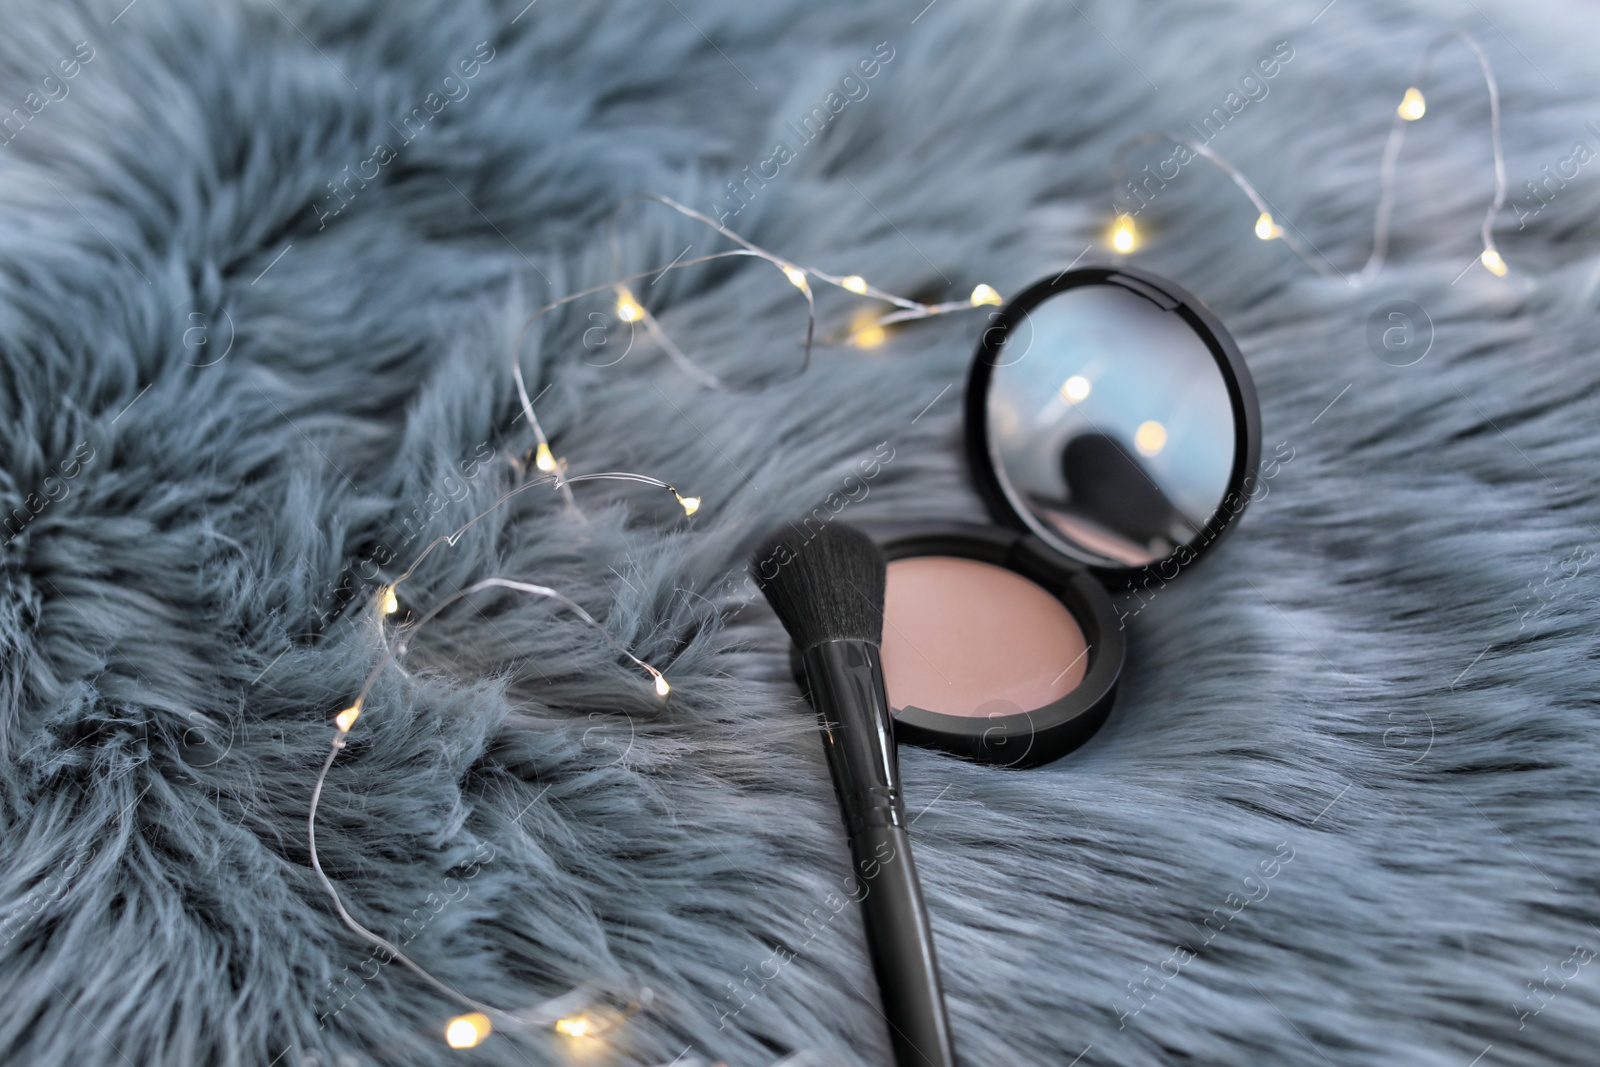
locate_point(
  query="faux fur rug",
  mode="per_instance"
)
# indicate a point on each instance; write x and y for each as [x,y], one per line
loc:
[262,272]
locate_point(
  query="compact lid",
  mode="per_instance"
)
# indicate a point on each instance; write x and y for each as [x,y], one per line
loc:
[1110,415]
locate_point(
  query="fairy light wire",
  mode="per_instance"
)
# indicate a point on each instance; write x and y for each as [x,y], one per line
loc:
[355,926]
[1391,150]
[553,472]
[385,603]
[1264,221]
[390,591]
[853,283]
[626,298]
[533,589]
[670,347]
[797,274]
[1267,228]
[542,449]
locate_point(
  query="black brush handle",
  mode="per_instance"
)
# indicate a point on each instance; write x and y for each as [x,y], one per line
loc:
[901,944]
[845,682]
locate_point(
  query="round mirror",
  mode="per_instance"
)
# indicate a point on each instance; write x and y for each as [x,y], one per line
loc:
[1110,413]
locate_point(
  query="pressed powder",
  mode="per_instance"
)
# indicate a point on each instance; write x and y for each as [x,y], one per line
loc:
[961,637]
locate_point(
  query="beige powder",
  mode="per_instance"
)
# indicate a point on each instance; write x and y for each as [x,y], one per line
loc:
[962,637]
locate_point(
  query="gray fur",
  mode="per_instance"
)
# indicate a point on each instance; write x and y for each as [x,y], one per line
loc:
[1387,673]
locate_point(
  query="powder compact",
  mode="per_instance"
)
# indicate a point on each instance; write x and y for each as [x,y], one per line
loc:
[1113,431]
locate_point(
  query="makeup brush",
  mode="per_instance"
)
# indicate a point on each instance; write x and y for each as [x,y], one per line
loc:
[828,593]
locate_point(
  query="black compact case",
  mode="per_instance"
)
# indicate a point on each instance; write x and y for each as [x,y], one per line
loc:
[1042,734]
[1115,513]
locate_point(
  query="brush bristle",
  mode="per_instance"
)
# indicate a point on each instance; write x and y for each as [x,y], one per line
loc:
[824,586]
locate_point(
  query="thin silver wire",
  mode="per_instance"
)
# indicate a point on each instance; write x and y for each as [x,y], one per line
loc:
[1387,170]
[391,654]
[906,310]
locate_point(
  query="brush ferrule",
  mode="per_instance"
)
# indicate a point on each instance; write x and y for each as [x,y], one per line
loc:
[846,684]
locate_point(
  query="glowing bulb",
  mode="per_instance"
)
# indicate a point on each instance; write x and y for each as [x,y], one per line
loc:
[865,331]
[690,504]
[1123,235]
[796,276]
[347,718]
[1266,229]
[1075,388]
[466,1031]
[391,603]
[1150,438]
[662,688]
[628,309]
[984,294]
[1412,106]
[870,336]
[573,1027]
[1492,261]
[855,283]
[544,459]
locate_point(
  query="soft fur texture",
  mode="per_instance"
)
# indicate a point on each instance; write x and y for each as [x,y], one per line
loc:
[1367,720]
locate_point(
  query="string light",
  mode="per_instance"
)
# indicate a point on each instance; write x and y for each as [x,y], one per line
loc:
[1124,238]
[1414,107]
[800,277]
[689,366]
[467,1031]
[689,504]
[543,458]
[572,1015]
[347,718]
[588,1025]
[1411,108]
[866,331]
[628,309]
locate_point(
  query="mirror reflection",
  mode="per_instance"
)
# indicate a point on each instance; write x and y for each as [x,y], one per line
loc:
[1110,426]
